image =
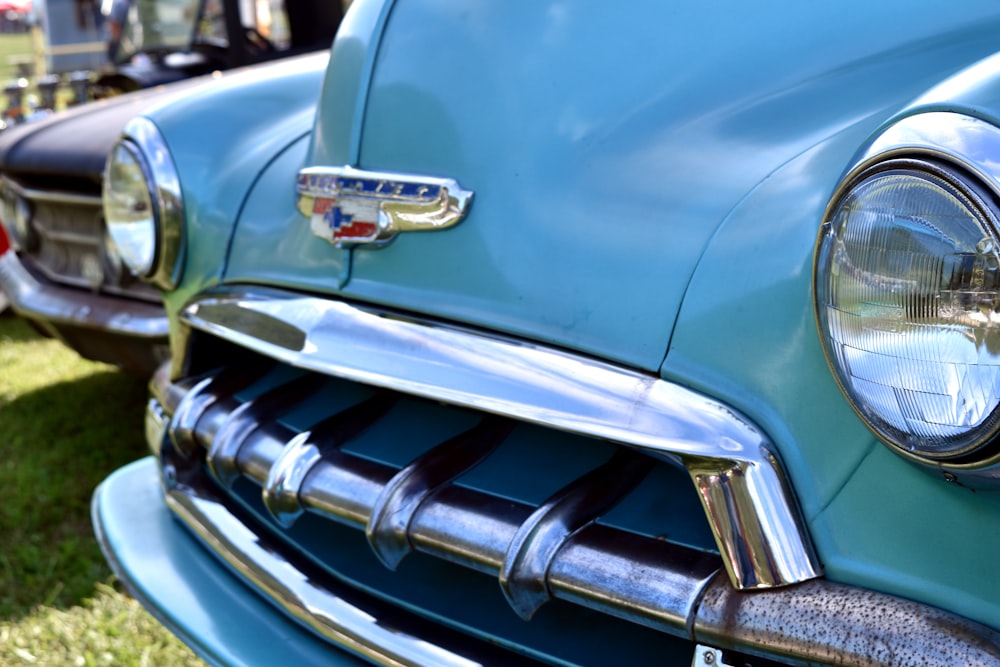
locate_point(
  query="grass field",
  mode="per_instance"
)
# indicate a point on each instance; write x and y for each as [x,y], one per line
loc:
[65,423]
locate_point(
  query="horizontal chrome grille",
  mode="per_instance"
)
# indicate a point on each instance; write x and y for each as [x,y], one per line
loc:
[555,550]
[68,242]
[229,442]
[737,478]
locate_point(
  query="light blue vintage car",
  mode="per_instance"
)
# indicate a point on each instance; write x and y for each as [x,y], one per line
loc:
[577,333]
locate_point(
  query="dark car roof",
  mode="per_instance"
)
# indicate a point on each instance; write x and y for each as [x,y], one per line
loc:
[76,142]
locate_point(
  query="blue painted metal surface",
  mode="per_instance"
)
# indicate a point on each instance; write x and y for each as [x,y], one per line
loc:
[215,613]
[599,183]
[256,256]
[641,194]
[877,521]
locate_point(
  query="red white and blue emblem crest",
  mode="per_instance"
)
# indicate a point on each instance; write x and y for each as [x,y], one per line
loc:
[349,207]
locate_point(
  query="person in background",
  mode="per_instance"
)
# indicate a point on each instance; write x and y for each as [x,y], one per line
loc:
[115,12]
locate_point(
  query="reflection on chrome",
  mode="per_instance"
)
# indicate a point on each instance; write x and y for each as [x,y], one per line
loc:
[753,514]
[907,282]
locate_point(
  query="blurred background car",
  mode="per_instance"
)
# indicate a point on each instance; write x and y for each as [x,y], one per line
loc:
[151,42]
[64,275]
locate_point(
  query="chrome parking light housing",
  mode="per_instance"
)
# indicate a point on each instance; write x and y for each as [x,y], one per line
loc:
[907,287]
[143,206]
[15,215]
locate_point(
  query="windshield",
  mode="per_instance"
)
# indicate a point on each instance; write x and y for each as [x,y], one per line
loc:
[157,25]
[149,26]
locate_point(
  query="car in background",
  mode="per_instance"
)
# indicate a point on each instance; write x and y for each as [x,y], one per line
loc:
[573,334]
[152,43]
[65,276]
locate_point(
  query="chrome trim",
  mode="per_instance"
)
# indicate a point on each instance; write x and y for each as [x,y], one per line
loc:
[165,191]
[963,140]
[643,580]
[539,538]
[460,525]
[75,238]
[821,622]
[79,308]
[753,514]
[384,204]
[50,196]
[286,477]
[328,612]
[226,444]
[397,504]
[959,141]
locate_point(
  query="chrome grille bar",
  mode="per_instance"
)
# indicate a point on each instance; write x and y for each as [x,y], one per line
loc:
[752,512]
[539,538]
[649,581]
[245,419]
[458,524]
[52,196]
[330,612]
[389,524]
[286,476]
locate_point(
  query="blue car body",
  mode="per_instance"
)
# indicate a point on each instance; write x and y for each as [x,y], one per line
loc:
[649,181]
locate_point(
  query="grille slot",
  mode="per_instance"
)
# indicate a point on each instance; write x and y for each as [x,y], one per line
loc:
[557,549]
[68,243]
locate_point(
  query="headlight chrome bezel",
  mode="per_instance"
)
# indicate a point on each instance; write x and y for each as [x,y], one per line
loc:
[142,142]
[959,150]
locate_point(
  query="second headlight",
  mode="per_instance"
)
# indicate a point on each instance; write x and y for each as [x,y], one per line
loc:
[908,300]
[143,210]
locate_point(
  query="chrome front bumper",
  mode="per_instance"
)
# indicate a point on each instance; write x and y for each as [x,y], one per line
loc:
[64,307]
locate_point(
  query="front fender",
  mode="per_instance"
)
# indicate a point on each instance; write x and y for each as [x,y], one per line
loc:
[747,334]
[219,156]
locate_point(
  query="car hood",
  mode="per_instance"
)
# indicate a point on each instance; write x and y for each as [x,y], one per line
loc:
[604,148]
[76,142]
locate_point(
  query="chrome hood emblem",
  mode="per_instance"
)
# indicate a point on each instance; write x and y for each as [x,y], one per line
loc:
[349,207]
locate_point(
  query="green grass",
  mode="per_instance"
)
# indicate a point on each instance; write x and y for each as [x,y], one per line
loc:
[65,423]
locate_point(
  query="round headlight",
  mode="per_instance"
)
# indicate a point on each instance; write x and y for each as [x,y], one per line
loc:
[143,211]
[908,301]
[128,208]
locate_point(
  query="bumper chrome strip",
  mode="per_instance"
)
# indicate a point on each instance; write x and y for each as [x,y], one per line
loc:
[817,622]
[753,514]
[323,610]
[79,308]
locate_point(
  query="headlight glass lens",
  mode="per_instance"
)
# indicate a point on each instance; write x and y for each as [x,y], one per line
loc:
[129,211]
[908,299]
